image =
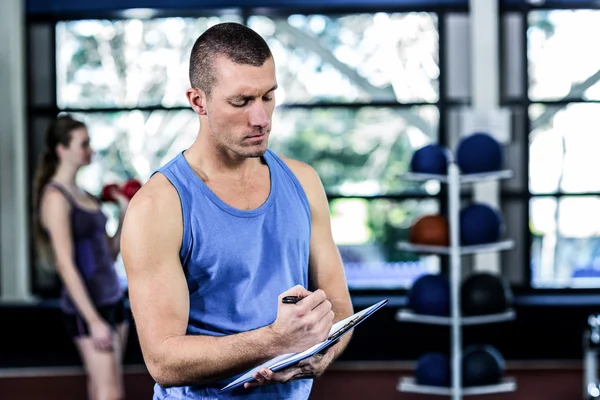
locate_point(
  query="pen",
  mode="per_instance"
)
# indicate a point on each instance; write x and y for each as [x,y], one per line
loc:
[290,299]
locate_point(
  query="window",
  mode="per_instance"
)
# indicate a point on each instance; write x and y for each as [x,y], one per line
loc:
[126,63]
[564,75]
[350,104]
[354,58]
[355,107]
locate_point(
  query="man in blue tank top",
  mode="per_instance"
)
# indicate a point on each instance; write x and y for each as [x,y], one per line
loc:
[220,234]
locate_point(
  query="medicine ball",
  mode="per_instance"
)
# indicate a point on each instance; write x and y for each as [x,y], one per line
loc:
[483,293]
[479,152]
[482,365]
[431,230]
[480,224]
[430,295]
[433,369]
[430,159]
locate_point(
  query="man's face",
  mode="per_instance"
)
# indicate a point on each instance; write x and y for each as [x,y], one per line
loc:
[241,105]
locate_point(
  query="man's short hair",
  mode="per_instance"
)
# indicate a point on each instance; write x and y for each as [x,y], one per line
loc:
[236,42]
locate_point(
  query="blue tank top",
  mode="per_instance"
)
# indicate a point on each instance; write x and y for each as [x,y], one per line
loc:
[237,262]
[92,255]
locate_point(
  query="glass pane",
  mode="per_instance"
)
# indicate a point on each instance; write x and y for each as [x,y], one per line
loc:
[357,57]
[126,63]
[565,250]
[134,143]
[563,148]
[367,233]
[357,151]
[563,60]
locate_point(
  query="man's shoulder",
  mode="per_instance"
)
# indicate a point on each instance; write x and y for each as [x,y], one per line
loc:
[306,175]
[170,164]
[157,193]
[301,169]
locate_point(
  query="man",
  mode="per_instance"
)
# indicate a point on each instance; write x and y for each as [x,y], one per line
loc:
[220,234]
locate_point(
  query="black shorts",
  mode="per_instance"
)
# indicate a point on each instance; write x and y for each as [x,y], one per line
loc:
[113,314]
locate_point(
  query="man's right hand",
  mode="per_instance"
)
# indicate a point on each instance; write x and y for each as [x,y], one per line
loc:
[304,324]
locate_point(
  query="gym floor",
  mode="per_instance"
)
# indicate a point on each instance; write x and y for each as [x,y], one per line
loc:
[345,380]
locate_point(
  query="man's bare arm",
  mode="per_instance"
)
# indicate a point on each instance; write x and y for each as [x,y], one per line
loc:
[159,297]
[326,267]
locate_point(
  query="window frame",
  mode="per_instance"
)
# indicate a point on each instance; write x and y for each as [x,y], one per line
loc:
[524,9]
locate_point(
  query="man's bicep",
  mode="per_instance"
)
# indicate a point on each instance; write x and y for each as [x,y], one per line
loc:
[326,266]
[158,291]
[325,263]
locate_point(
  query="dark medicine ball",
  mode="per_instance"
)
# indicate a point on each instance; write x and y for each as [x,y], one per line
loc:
[430,159]
[430,230]
[483,293]
[430,295]
[482,365]
[479,152]
[480,224]
[433,369]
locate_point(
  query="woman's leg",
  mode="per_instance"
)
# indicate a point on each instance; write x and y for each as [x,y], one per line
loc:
[103,369]
[123,335]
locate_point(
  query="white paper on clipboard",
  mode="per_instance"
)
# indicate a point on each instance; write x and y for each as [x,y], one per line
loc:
[338,329]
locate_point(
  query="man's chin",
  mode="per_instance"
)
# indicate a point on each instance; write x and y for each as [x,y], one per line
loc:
[253,152]
[256,154]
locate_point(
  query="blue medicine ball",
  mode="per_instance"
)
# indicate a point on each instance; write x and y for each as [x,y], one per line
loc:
[430,295]
[479,153]
[433,369]
[431,159]
[479,224]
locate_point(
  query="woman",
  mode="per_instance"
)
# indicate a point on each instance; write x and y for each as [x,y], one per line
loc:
[70,231]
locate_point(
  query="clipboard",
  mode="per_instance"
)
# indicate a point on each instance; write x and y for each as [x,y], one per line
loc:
[338,330]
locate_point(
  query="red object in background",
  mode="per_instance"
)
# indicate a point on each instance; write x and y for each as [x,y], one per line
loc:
[131,187]
[432,230]
[108,192]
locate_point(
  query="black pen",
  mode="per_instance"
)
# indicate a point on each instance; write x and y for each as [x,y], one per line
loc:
[290,299]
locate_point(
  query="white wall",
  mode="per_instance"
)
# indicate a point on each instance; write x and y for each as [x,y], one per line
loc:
[14,245]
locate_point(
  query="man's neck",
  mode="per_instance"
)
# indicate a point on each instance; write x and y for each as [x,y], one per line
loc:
[213,162]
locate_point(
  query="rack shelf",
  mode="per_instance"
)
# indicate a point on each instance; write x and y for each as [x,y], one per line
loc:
[408,384]
[409,316]
[468,178]
[454,251]
[479,248]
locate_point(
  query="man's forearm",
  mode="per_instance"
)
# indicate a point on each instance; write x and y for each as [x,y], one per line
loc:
[341,310]
[340,346]
[194,359]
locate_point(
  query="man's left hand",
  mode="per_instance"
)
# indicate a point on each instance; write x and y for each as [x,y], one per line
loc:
[309,368]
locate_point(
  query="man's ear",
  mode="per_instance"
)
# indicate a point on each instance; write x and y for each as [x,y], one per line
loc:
[197,99]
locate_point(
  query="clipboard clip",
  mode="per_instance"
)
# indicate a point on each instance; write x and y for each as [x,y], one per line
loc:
[344,328]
